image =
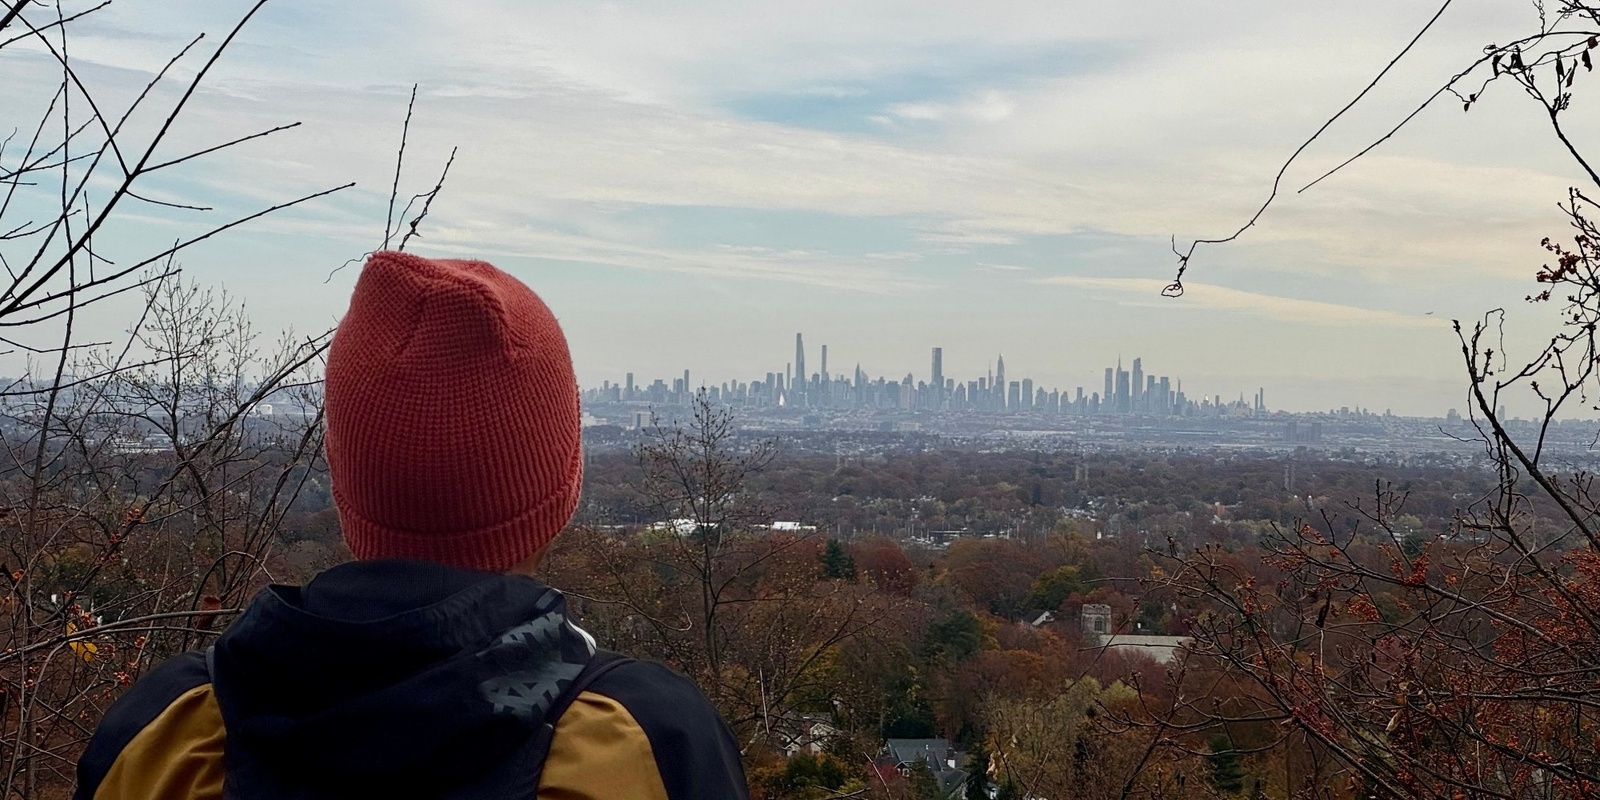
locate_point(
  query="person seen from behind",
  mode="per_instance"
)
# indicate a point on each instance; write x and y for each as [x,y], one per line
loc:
[434,665]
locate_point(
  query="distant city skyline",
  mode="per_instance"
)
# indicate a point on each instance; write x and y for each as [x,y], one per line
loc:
[1289,386]
[1124,391]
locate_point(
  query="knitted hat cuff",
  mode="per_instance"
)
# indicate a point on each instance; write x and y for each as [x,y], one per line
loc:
[495,548]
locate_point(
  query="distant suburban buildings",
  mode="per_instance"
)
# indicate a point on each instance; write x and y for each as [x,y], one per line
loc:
[806,732]
[1097,628]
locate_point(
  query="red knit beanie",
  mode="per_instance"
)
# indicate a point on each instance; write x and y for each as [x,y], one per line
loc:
[453,423]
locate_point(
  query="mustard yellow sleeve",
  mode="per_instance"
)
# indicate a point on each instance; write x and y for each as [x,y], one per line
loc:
[599,752]
[178,755]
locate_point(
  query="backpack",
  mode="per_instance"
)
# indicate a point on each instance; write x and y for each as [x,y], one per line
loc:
[192,670]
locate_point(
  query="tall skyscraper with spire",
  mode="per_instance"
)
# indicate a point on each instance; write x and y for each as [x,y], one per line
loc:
[797,385]
[938,377]
[1136,396]
[1123,404]
[1000,381]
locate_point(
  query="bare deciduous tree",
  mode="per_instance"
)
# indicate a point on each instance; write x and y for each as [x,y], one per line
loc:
[743,609]
[140,506]
[1464,662]
[144,483]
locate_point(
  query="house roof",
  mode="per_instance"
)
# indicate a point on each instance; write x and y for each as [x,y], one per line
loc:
[937,754]
[949,780]
[1160,648]
[910,751]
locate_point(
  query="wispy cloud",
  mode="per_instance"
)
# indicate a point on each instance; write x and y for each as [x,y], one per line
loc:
[718,261]
[1145,291]
[988,106]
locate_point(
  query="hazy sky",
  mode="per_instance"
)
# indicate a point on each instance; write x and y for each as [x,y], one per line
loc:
[688,184]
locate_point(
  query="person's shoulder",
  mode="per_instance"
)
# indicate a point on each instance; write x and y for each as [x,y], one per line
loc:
[693,749]
[657,695]
[149,697]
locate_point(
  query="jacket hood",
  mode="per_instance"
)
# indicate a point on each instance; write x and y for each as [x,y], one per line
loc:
[391,677]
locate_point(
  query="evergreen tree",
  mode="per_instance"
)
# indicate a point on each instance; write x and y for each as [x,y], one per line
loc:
[1051,589]
[977,775]
[836,562]
[923,785]
[953,638]
[1227,773]
[803,776]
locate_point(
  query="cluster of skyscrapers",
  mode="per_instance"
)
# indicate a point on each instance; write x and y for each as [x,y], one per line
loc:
[1125,392]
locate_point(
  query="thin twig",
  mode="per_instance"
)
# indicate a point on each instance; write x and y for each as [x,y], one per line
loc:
[1175,289]
[399,163]
[430,194]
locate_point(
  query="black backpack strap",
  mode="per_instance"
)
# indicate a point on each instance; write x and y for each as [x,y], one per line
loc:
[602,662]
